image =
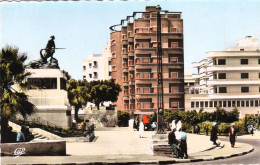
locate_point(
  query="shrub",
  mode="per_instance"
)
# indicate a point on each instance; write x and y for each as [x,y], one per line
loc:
[123,118]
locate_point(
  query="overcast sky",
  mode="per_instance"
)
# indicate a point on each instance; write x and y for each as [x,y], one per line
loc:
[83,27]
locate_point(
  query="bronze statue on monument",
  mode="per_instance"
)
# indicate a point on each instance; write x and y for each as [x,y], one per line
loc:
[43,63]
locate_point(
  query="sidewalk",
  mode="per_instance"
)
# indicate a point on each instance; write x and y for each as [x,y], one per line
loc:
[124,146]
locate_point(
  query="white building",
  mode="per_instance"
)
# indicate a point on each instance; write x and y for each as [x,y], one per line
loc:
[228,78]
[98,66]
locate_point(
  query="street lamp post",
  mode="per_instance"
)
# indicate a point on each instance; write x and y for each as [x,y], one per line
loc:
[159,71]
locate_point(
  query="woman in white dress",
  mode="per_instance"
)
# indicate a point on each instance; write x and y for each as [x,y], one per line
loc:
[141,129]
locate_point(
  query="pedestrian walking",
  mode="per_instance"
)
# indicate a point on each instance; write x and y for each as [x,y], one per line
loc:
[141,129]
[183,145]
[173,143]
[232,135]
[207,130]
[198,129]
[214,131]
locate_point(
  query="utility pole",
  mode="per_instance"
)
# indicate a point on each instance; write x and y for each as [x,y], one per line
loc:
[160,107]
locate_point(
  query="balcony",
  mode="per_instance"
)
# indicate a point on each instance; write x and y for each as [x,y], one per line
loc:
[124,65]
[232,68]
[147,90]
[141,106]
[129,34]
[113,42]
[142,30]
[124,37]
[131,63]
[113,55]
[130,48]
[233,82]
[124,51]
[142,45]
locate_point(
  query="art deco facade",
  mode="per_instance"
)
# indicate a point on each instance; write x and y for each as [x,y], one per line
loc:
[97,66]
[134,61]
[228,78]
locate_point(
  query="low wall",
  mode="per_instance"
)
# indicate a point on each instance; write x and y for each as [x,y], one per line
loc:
[36,148]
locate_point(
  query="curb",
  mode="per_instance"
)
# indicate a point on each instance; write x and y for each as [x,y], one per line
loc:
[160,162]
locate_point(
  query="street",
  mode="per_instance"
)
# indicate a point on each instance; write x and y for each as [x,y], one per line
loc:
[250,158]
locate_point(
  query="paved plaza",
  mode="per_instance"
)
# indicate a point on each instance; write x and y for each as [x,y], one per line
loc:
[123,145]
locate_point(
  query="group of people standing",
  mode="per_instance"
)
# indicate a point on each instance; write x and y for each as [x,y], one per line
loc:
[232,134]
[177,139]
[11,136]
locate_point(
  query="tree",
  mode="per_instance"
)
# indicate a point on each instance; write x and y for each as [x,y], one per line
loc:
[13,100]
[78,94]
[12,72]
[102,91]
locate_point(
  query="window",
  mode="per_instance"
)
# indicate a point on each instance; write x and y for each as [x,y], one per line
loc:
[244,75]
[251,103]
[109,62]
[201,104]
[256,103]
[222,89]
[243,61]
[109,73]
[222,76]
[174,104]
[220,103]
[224,104]
[173,30]
[259,61]
[215,103]
[242,49]
[244,89]
[90,75]
[247,103]
[221,61]
[238,103]
[84,67]
[229,103]
[197,104]
[95,63]
[113,55]
[174,44]
[206,104]
[242,103]
[84,77]
[173,59]
[90,65]
[192,104]
[258,75]
[234,103]
[174,89]
[211,104]
[95,74]
[174,74]
[113,68]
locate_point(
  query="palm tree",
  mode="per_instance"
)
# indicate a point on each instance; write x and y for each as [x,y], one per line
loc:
[12,72]
[78,94]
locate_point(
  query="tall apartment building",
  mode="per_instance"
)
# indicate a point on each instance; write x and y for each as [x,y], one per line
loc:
[228,78]
[98,66]
[134,61]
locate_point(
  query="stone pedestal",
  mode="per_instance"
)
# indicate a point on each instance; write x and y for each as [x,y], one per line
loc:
[159,145]
[52,99]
